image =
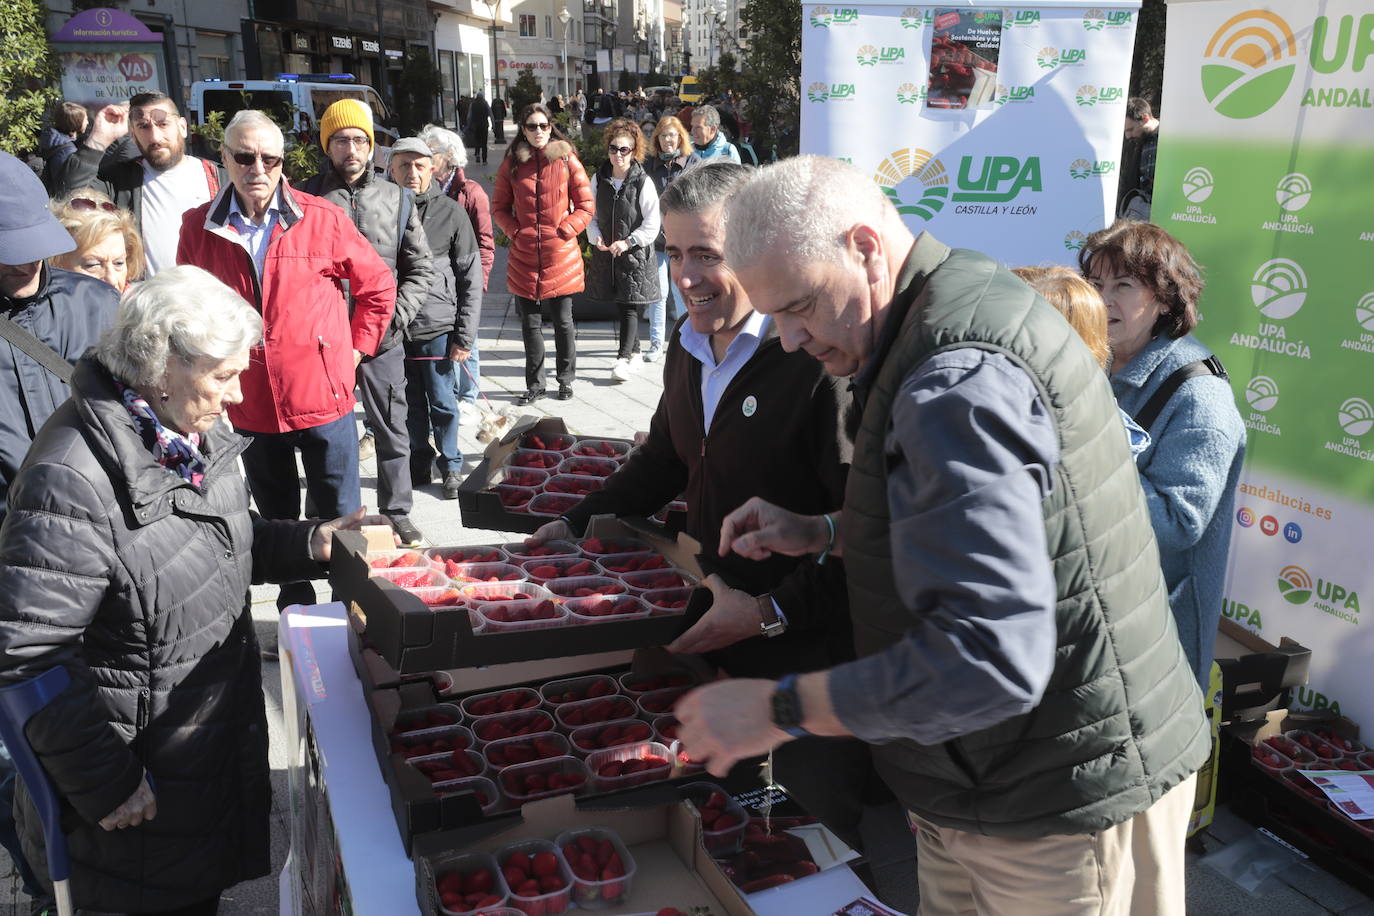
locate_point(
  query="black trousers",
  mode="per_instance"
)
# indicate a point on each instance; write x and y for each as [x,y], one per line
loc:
[564,338]
[382,381]
[627,329]
[479,144]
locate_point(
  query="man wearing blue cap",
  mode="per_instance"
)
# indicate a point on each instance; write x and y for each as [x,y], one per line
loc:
[48,318]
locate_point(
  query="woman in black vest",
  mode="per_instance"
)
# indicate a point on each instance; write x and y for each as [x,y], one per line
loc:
[624,269]
[669,149]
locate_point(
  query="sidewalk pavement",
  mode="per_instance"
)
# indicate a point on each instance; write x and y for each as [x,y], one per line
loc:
[603,407]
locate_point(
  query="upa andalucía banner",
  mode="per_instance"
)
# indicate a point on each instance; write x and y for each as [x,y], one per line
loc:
[996,128]
[1265,158]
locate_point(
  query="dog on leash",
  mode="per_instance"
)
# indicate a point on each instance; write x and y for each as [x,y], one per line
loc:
[494,424]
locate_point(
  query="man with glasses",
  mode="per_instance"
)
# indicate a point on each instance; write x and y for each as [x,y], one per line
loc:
[157,186]
[387,217]
[290,255]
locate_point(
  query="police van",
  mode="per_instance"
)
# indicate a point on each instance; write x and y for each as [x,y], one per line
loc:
[299,99]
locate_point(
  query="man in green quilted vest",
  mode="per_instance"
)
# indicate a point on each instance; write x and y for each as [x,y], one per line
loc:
[1019,676]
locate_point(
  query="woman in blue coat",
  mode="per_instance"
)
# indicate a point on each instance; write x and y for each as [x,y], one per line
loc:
[1151,285]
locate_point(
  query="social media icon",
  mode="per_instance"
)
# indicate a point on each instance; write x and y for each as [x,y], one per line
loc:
[1269,525]
[1245,518]
[1292,532]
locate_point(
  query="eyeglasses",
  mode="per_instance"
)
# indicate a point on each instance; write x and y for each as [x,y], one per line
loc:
[85,203]
[355,142]
[269,162]
[621,150]
[542,125]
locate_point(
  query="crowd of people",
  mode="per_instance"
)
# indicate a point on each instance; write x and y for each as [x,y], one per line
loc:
[1018,484]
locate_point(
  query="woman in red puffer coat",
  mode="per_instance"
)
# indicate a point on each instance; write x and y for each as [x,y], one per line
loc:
[542,201]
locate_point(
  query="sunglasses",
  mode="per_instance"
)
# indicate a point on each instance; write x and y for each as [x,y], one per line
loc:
[542,125]
[85,203]
[622,150]
[269,162]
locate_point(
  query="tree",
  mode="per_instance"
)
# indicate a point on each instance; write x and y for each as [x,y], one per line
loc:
[419,86]
[1147,67]
[525,92]
[770,85]
[29,74]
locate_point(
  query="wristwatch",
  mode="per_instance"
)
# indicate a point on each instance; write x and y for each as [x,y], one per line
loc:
[787,711]
[770,624]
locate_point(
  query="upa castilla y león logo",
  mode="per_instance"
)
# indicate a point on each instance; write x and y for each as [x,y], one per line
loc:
[1249,64]
[1089,95]
[1075,240]
[1293,192]
[1295,585]
[910,93]
[1197,185]
[913,17]
[867,56]
[1017,19]
[1085,168]
[918,166]
[1279,288]
[823,17]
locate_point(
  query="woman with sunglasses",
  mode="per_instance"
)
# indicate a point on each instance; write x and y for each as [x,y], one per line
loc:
[669,150]
[623,269]
[108,246]
[541,202]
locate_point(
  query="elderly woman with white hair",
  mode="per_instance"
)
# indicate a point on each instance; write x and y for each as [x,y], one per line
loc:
[450,159]
[126,559]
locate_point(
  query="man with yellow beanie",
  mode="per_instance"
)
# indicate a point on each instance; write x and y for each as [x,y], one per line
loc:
[386,216]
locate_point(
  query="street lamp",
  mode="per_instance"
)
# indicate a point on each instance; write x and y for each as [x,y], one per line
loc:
[713,12]
[566,18]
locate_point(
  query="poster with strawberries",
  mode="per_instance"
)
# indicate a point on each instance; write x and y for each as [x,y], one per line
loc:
[963,58]
[779,843]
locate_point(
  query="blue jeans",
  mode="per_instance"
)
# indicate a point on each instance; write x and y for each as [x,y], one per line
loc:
[658,310]
[432,399]
[329,454]
[469,387]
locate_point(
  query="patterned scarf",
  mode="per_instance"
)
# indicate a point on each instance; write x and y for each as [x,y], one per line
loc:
[175,452]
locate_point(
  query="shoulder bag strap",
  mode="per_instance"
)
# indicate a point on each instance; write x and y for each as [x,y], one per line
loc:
[1153,407]
[38,351]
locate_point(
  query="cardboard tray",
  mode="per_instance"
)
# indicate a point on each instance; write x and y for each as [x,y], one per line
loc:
[1331,840]
[412,638]
[672,866]
[418,811]
[477,501]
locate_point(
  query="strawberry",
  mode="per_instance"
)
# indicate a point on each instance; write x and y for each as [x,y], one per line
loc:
[636,732]
[611,769]
[478,882]
[544,864]
[521,861]
[670,911]
[604,850]
[545,572]
[716,800]
[708,818]
[547,747]
[514,876]
[725,822]
[600,688]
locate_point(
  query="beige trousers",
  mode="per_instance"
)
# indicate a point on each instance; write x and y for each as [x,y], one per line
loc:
[1133,869]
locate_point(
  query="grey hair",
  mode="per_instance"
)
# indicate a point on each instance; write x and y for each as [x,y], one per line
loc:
[446,143]
[182,311]
[804,206]
[709,116]
[704,186]
[248,119]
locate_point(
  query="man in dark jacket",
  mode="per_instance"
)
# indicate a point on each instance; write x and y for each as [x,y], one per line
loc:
[444,333]
[1019,673]
[498,119]
[387,217]
[740,417]
[157,185]
[65,312]
[479,116]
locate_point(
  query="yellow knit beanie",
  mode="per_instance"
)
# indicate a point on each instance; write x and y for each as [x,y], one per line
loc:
[345,113]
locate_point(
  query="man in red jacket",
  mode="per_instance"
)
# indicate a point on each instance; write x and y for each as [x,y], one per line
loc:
[290,254]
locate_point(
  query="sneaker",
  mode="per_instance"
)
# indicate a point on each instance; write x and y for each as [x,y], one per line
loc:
[655,351]
[565,392]
[622,370]
[410,535]
[529,397]
[452,481]
[367,447]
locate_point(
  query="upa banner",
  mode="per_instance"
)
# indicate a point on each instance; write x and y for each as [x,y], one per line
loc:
[994,127]
[1267,136]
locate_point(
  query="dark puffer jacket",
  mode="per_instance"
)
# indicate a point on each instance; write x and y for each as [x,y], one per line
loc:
[374,206]
[633,276]
[454,304]
[136,582]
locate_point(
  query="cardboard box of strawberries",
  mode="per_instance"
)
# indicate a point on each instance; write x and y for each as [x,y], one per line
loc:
[535,473]
[623,586]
